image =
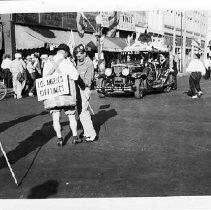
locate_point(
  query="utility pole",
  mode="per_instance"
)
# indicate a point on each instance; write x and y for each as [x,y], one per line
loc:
[181,53]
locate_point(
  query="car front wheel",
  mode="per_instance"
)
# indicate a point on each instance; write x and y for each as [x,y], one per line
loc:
[139,91]
[168,87]
[101,83]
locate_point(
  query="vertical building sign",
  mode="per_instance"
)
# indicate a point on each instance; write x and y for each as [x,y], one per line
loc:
[1,37]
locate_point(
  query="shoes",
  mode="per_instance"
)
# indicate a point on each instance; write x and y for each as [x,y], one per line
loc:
[90,138]
[200,93]
[195,96]
[60,142]
[76,140]
[31,94]
[15,96]
[18,97]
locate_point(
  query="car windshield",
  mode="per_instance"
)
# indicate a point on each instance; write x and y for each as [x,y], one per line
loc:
[140,57]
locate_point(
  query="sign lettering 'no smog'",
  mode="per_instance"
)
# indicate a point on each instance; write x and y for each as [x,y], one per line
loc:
[50,86]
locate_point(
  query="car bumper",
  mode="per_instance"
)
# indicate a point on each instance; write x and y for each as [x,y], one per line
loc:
[115,89]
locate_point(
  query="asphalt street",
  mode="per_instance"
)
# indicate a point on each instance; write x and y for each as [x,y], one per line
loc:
[156,146]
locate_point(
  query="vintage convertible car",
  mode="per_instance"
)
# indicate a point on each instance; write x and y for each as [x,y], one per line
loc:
[143,72]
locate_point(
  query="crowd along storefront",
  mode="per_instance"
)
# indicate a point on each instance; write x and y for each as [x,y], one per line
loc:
[35,30]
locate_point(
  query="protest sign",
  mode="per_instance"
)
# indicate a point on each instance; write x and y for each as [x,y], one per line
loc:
[51,86]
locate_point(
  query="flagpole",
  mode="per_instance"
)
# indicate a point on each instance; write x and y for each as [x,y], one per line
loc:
[10,168]
[88,22]
[99,34]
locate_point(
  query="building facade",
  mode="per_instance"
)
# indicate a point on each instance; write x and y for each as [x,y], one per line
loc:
[176,29]
[181,28]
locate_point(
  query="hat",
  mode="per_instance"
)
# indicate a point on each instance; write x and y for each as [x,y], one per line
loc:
[44,56]
[17,55]
[63,47]
[28,57]
[80,48]
[198,55]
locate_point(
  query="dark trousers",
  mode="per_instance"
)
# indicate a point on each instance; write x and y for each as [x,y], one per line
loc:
[194,82]
[174,75]
[32,82]
[7,75]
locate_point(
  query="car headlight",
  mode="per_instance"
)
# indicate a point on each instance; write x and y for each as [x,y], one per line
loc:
[125,72]
[108,72]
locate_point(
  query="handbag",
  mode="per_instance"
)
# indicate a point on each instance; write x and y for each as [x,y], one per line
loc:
[20,77]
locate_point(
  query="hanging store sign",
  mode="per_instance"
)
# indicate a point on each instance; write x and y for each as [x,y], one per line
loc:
[26,18]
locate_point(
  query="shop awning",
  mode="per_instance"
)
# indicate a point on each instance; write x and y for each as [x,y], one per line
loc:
[114,44]
[35,37]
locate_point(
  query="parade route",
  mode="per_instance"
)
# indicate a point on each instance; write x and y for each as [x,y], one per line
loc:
[156,146]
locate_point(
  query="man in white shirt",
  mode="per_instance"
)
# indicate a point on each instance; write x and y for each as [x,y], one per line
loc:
[17,66]
[6,70]
[60,64]
[196,69]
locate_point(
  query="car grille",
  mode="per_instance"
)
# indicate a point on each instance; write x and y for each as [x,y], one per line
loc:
[119,80]
[118,70]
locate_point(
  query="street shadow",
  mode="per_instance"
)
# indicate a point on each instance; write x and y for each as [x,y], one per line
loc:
[44,190]
[106,106]
[37,152]
[101,117]
[5,125]
[36,140]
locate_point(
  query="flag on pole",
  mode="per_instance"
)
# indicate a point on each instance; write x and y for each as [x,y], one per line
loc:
[195,43]
[113,22]
[129,38]
[71,42]
[81,21]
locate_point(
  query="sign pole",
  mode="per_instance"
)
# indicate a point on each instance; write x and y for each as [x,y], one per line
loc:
[11,171]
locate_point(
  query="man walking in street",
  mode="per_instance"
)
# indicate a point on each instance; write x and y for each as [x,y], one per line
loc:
[60,64]
[86,71]
[196,69]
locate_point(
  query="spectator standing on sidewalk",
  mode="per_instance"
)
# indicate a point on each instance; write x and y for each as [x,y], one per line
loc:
[32,79]
[173,65]
[196,69]
[17,67]
[7,75]
[85,69]
[36,64]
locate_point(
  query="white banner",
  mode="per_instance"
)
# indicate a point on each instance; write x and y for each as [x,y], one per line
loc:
[50,86]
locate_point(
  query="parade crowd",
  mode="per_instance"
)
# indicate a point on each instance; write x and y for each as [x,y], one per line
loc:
[21,74]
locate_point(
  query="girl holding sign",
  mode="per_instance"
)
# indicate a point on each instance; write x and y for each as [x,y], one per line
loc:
[59,64]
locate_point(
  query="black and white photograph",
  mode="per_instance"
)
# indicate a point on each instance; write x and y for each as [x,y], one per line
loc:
[103,106]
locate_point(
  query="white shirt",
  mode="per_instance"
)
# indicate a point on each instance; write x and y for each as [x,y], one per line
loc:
[17,65]
[6,63]
[30,67]
[66,67]
[196,65]
[207,63]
